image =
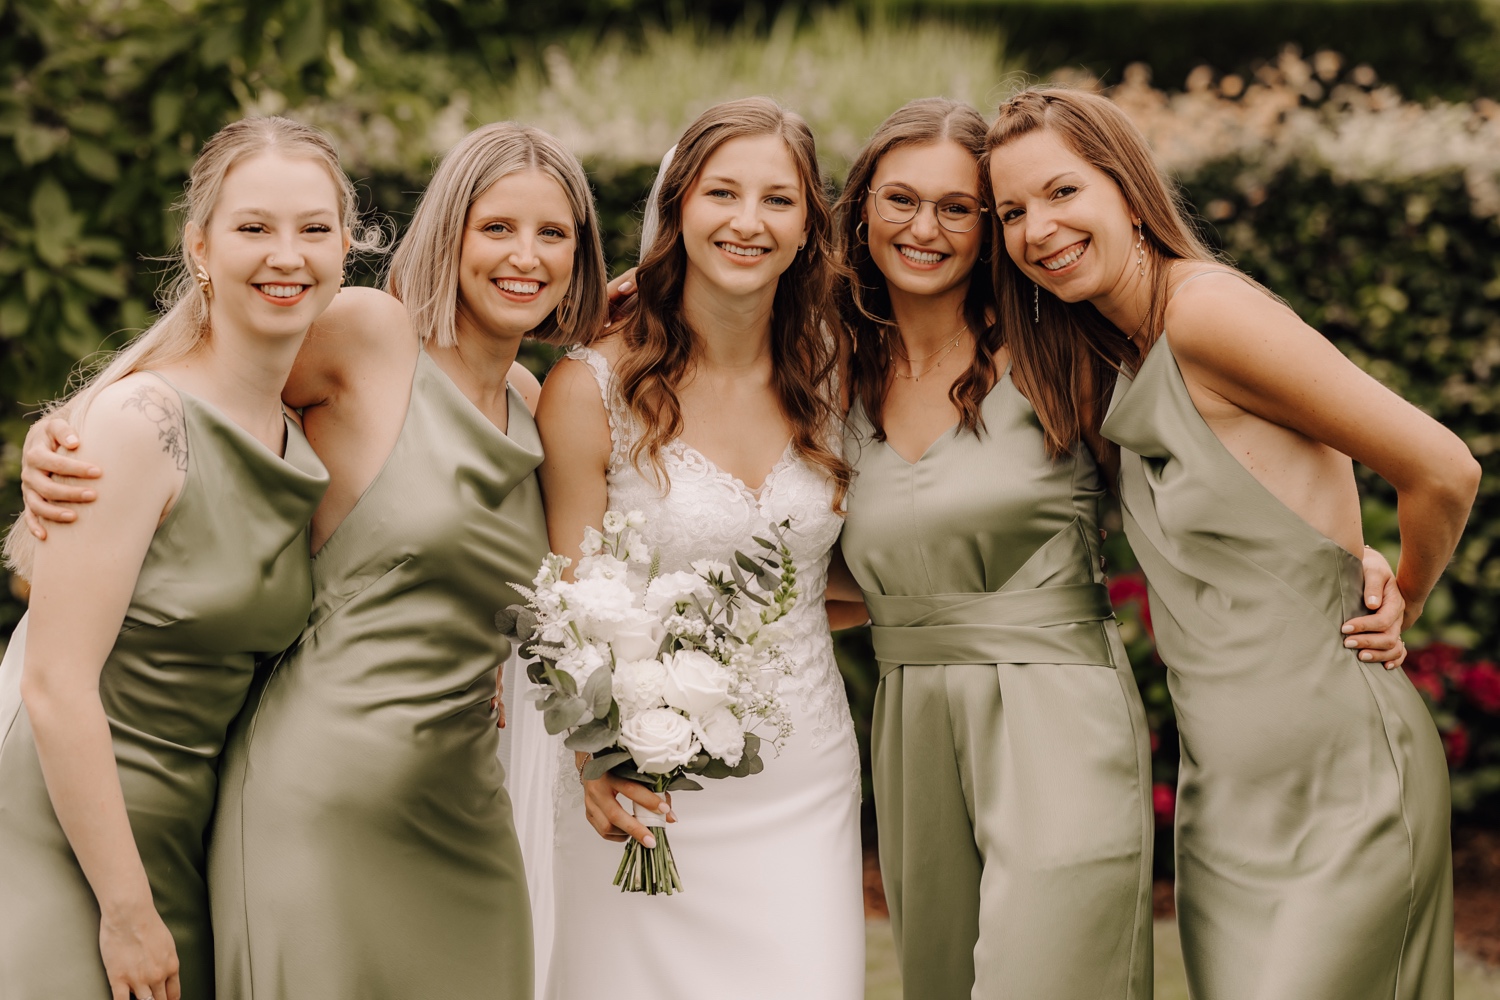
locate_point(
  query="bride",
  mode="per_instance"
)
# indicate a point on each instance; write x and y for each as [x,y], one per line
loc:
[709,410]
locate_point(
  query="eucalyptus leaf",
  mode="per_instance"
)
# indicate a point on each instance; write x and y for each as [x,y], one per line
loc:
[764,543]
[592,738]
[747,564]
[563,715]
[598,692]
[526,622]
[598,767]
[505,621]
[682,783]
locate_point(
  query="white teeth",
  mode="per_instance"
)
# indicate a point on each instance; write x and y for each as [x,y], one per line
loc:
[920,256]
[282,291]
[518,287]
[1057,263]
[744,251]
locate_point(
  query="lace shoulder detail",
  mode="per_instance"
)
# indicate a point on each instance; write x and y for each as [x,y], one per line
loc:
[615,410]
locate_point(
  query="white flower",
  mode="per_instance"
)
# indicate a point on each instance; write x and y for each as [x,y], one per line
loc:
[636,549]
[600,604]
[579,663]
[722,735]
[637,636]
[712,568]
[659,740]
[635,519]
[593,542]
[601,566]
[696,683]
[614,522]
[671,589]
[638,685]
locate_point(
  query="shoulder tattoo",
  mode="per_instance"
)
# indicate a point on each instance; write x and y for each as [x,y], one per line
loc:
[171,426]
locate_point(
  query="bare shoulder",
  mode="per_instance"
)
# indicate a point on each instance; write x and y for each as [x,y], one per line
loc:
[611,346]
[525,383]
[362,332]
[1221,316]
[140,418]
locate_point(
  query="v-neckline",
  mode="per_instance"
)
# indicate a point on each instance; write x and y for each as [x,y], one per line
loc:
[757,492]
[951,430]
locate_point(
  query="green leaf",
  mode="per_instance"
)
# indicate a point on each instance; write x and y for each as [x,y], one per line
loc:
[746,563]
[752,744]
[14,317]
[593,737]
[600,766]
[526,622]
[35,143]
[505,621]
[96,161]
[98,281]
[166,113]
[36,282]
[11,260]
[563,715]
[764,543]
[305,37]
[682,783]
[598,692]
[95,119]
[55,224]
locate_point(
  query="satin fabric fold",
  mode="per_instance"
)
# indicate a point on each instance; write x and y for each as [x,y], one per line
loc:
[224,584]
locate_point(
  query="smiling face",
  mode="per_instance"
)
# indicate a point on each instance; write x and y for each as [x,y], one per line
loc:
[516,259]
[921,257]
[1066,223]
[744,216]
[273,246]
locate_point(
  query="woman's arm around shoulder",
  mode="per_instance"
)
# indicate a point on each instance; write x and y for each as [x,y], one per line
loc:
[363,331]
[1254,353]
[82,581]
[576,444]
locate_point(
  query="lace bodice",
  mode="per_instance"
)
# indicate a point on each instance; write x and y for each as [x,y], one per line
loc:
[705,513]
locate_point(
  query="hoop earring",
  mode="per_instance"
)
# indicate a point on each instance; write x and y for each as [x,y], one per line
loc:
[1036,303]
[1140,248]
[205,284]
[862,237]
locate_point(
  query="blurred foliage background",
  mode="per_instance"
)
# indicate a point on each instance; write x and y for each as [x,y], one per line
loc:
[1345,152]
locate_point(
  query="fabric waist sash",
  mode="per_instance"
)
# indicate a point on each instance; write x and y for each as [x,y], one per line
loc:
[1045,625]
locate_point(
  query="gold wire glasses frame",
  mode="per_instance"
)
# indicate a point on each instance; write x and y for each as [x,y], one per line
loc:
[897,203]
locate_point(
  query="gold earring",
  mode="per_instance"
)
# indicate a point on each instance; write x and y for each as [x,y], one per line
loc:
[341,279]
[1140,247]
[205,284]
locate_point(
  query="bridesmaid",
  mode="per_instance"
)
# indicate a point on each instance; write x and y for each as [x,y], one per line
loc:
[364,846]
[147,616]
[1012,769]
[1312,824]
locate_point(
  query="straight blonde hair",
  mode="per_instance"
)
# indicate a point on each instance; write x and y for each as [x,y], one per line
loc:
[184,325]
[424,268]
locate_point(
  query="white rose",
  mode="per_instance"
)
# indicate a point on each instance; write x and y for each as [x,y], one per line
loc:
[614,522]
[696,682]
[638,685]
[658,740]
[722,735]
[637,636]
[671,589]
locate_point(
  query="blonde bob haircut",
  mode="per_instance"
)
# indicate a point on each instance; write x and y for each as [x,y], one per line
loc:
[424,269]
[183,325]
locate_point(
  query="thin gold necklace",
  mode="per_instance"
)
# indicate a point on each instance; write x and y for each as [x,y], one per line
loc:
[941,354]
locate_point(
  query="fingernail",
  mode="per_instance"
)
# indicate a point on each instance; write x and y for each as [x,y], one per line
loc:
[671,816]
[1372,600]
[72,440]
[627,286]
[1366,655]
[95,471]
[650,842]
[662,809]
[608,323]
[1347,629]
[88,494]
[1348,643]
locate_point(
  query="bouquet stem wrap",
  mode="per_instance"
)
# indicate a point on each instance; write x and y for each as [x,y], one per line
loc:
[651,870]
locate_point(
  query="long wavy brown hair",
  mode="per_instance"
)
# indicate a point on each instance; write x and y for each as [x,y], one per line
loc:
[1065,356]
[660,345]
[862,296]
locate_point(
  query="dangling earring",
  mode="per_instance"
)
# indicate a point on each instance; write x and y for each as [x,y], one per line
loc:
[205,285]
[1036,303]
[862,237]
[341,279]
[1140,248]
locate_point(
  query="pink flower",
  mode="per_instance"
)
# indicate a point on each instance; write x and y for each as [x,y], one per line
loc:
[1481,682]
[1429,684]
[1456,745]
[1155,742]
[1130,588]
[1163,803]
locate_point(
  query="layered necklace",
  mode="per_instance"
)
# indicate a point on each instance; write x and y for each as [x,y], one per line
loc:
[941,354]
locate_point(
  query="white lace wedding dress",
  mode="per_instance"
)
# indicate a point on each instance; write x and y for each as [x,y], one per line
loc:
[772,906]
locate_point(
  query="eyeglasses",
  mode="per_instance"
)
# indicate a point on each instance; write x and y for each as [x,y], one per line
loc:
[897,203]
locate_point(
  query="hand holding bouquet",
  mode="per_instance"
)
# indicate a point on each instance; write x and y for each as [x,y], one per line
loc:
[661,677]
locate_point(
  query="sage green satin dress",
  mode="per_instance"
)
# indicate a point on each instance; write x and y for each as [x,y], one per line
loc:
[1012,781]
[1313,857]
[364,847]
[224,583]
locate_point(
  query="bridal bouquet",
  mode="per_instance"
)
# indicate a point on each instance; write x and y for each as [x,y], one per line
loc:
[660,676]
